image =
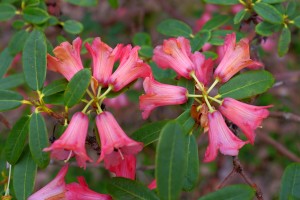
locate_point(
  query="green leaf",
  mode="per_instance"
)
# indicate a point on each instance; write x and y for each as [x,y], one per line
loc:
[290,183]
[284,41]
[123,188]
[73,27]
[77,87]
[146,51]
[222,2]
[55,87]
[12,81]
[5,61]
[291,8]
[199,40]
[186,120]
[215,22]
[142,38]
[32,2]
[175,28]
[7,11]
[266,29]
[16,139]
[83,2]
[268,13]
[34,60]
[190,86]
[9,100]
[38,140]
[114,3]
[247,84]
[236,192]
[55,99]
[273,1]
[192,169]
[149,133]
[17,42]
[297,21]
[35,15]
[24,176]
[170,161]
[18,24]
[239,16]
[210,54]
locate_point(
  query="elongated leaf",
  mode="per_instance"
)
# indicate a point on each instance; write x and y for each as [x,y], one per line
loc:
[268,13]
[215,22]
[12,81]
[236,192]
[77,87]
[55,99]
[290,183]
[170,161]
[122,188]
[55,87]
[199,40]
[83,2]
[146,51]
[17,42]
[239,16]
[9,100]
[15,142]
[192,169]
[38,140]
[175,28]
[210,54]
[114,3]
[5,61]
[291,8]
[149,133]
[34,60]
[297,21]
[222,2]
[190,86]
[247,85]
[186,120]
[266,29]
[73,27]
[284,41]
[7,11]
[141,38]
[273,1]
[24,176]
[35,15]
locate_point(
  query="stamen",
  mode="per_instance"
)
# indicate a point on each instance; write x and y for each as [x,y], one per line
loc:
[213,85]
[120,152]
[69,157]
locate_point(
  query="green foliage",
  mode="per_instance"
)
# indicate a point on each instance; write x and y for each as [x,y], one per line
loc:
[35,15]
[175,28]
[199,40]
[284,41]
[290,183]
[247,84]
[9,100]
[55,87]
[222,2]
[297,21]
[122,188]
[7,11]
[83,2]
[12,81]
[171,161]
[239,16]
[73,27]
[215,22]
[266,29]
[17,42]
[5,61]
[114,3]
[141,39]
[186,121]
[268,13]
[190,86]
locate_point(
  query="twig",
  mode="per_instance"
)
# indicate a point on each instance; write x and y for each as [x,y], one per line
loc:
[285,115]
[279,147]
[4,121]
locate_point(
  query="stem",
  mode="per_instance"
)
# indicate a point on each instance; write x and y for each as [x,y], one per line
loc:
[26,102]
[216,100]
[194,95]
[99,91]
[89,93]
[106,92]
[87,105]
[208,104]
[197,81]
[212,86]
[198,100]
[9,176]
[99,110]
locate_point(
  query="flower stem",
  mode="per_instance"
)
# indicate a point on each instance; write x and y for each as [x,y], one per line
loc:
[106,92]
[89,93]
[208,104]
[216,100]
[99,91]
[87,105]
[194,95]
[197,81]
[212,86]
[9,177]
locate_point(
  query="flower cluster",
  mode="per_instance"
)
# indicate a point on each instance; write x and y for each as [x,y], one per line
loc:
[175,53]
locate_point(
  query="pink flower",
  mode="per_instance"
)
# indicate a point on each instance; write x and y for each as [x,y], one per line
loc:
[152,185]
[221,137]
[247,117]
[73,140]
[55,189]
[159,94]
[236,57]
[81,191]
[117,102]
[116,146]
[203,68]
[175,53]
[67,59]
[124,168]
[131,68]
[104,58]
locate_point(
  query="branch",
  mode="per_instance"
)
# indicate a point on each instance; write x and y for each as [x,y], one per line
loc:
[285,115]
[4,121]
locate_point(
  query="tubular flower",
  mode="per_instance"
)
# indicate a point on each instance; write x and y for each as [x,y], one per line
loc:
[67,59]
[175,53]
[104,58]
[73,140]
[236,57]
[159,94]
[55,189]
[131,68]
[81,191]
[247,117]
[115,144]
[125,168]
[221,137]
[203,68]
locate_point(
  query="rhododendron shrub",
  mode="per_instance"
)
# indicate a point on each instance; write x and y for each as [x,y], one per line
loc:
[170,113]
